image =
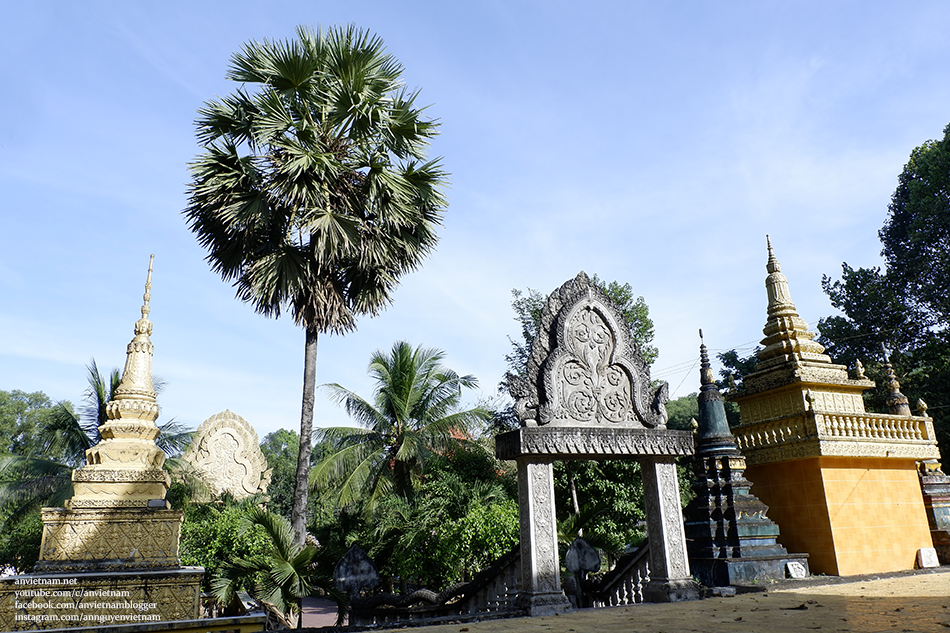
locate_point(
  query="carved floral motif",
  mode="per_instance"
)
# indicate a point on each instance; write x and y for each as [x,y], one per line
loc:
[225,452]
[584,367]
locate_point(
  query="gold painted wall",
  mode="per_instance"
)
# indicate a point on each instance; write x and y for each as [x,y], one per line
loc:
[92,600]
[852,515]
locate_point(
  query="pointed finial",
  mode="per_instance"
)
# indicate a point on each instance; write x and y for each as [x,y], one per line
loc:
[787,338]
[143,325]
[772,266]
[705,371]
[148,288]
[713,432]
[897,403]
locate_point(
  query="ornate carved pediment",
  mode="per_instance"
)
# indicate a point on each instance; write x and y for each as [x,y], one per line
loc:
[226,454]
[584,368]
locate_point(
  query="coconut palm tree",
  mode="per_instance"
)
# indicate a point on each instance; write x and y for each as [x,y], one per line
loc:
[284,576]
[415,412]
[313,193]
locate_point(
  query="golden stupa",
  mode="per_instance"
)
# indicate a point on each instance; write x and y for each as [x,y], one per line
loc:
[841,482]
[117,537]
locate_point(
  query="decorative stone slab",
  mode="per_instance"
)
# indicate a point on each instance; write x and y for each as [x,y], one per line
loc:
[355,572]
[581,558]
[584,368]
[99,539]
[927,557]
[99,601]
[227,455]
[592,442]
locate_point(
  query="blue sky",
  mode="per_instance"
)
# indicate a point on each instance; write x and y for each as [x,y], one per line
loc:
[654,143]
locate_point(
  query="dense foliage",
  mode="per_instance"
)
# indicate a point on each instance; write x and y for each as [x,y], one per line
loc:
[280,573]
[413,484]
[212,535]
[22,416]
[463,516]
[280,449]
[904,307]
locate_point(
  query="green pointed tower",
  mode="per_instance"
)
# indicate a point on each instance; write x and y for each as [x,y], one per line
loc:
[729,538]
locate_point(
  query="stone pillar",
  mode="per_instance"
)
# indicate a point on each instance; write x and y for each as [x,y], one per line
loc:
[670,580]
[935,486]
[540,568]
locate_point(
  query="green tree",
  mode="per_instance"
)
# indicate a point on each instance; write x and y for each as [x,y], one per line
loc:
[463,516]
[610,511]
[22,415]
[214,533]
[284,574]
[916,235]
[281,448]
[313,192]
[682,412]
[904,307]
[20,542]
[416,412]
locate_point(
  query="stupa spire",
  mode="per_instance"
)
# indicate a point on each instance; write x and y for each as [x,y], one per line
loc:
[118,526]
[136,384]
[897,403]
[787,337]
[713,434]
[126,462]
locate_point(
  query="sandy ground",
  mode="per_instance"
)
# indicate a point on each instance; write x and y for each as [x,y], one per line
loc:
[916,601]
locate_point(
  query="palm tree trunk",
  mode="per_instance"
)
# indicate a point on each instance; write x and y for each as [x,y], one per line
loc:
[577,506]
[301,488]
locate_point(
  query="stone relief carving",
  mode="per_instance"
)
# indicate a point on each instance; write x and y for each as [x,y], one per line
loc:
[540,475]
[592,442]
[584,368]
[227,455]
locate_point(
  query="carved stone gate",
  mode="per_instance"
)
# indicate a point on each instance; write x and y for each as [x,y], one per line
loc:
[588,395]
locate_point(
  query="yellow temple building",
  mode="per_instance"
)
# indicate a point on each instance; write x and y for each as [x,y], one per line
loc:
[840,482]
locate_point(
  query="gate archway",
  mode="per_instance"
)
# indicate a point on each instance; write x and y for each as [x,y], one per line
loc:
[588,395]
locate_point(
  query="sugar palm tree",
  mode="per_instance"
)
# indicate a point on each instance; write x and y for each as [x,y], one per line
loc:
[313,193]
[415,412]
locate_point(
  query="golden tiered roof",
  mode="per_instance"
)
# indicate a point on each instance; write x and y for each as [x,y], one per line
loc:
[799,404]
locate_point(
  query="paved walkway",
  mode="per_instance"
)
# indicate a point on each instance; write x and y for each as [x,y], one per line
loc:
[906,602]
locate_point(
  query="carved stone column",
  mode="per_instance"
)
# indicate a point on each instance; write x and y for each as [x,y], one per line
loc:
[670,580]
[935,486]
[540,568]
